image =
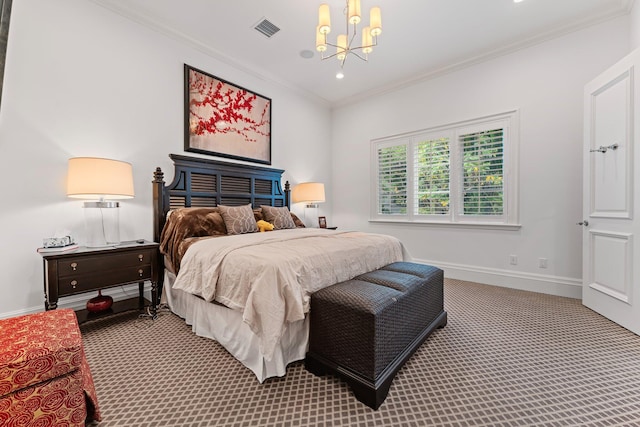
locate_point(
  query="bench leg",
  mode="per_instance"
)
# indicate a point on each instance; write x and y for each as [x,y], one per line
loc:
[315,366]
[443,322]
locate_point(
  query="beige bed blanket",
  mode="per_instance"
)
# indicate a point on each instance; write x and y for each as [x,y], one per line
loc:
[270,276]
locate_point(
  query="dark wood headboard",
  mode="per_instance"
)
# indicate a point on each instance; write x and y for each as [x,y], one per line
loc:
[201,182]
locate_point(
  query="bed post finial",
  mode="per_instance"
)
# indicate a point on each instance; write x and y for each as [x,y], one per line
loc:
[158,176]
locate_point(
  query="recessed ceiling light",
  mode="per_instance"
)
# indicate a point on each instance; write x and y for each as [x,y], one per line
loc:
[306,54]
[339,75]
[517,1]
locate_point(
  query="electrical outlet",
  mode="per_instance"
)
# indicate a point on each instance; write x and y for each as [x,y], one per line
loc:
[542,262]
[513,259]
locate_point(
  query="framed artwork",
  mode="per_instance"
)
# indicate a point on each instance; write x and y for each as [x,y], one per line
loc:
[226,120]
[322,221]
[5,14]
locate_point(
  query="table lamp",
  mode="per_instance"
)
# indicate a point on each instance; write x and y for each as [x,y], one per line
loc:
[310,193]
[103,180]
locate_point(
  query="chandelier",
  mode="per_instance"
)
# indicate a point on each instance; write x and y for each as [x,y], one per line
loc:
[345,43]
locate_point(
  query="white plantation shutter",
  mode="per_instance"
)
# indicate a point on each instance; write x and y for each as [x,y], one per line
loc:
[483,172]
[461,173]
[431,183]
[392,180]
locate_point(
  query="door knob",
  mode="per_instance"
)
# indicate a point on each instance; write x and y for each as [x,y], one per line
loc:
[585,223]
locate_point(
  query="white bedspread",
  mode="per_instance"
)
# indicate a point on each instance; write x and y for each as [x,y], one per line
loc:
[269,277]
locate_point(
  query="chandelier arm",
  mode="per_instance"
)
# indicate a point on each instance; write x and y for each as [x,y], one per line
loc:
[328,57]
[364,58]
[355,33]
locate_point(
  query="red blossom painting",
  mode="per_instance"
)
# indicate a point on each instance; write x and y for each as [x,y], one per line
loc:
[225,120]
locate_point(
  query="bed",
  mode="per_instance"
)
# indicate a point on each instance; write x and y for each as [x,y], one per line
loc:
[250,291]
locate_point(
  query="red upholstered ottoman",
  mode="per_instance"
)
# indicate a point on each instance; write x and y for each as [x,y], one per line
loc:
[44,375]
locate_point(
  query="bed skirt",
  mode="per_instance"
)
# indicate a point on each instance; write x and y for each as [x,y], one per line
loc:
[224,325]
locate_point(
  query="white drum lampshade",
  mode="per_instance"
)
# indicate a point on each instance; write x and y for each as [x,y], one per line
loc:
[311,193]
[102,180]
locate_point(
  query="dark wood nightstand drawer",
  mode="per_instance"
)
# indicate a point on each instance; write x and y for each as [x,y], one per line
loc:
[76,283]
[97,264]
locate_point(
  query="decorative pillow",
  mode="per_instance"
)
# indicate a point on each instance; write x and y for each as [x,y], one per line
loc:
[297,221]
[238,219]
[257,214]
[185,223]
[279,217]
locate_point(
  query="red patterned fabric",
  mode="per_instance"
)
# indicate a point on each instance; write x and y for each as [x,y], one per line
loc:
[44,375]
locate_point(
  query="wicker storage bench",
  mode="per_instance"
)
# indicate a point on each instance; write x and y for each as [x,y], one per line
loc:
[366,328]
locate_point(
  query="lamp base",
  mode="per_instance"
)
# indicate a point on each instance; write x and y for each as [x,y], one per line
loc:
[102,223]
[99,303]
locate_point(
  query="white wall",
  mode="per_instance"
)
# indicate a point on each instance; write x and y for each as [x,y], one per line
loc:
[83,81]
[634,18]
[545,82]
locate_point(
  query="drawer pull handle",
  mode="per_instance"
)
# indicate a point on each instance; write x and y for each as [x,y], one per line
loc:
[74,283]
[74,265]
[140,257]
[140,272]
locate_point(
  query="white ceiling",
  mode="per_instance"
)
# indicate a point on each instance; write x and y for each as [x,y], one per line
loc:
[420,38]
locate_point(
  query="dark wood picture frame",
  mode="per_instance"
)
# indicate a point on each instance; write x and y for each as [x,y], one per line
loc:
[5,14]
[226,120]
[322,221]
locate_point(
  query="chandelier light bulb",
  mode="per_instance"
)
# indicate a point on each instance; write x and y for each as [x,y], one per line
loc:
[321,41]
[375,21]
[342,47]
[339,75]
[354,11]
[324,19]
[367,41]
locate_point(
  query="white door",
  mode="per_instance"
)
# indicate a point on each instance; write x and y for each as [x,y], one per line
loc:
[611,259]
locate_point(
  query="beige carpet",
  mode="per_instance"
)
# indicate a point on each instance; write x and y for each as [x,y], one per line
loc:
[505,358]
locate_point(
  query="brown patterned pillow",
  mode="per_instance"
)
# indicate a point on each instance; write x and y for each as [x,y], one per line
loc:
[297,221]
[279,217]
[185,223]
[238,219]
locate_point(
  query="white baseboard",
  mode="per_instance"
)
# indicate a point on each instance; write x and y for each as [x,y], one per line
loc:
[546,284]
[79,302]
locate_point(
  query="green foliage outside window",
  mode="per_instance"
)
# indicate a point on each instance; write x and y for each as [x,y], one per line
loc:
[392,180]
[432,176]
[482,186]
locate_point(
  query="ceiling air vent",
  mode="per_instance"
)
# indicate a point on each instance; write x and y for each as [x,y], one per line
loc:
[266,27]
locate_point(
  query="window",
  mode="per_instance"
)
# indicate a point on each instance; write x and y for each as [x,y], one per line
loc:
[463,173]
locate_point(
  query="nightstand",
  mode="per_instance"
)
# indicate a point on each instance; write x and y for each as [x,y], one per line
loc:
[89,269]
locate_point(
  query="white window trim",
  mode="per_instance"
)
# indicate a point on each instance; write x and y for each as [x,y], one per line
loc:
[509,121]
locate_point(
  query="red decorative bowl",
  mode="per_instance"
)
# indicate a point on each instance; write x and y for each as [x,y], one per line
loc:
[99,303]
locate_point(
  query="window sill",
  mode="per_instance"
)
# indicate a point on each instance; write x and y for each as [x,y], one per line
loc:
[473,225]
